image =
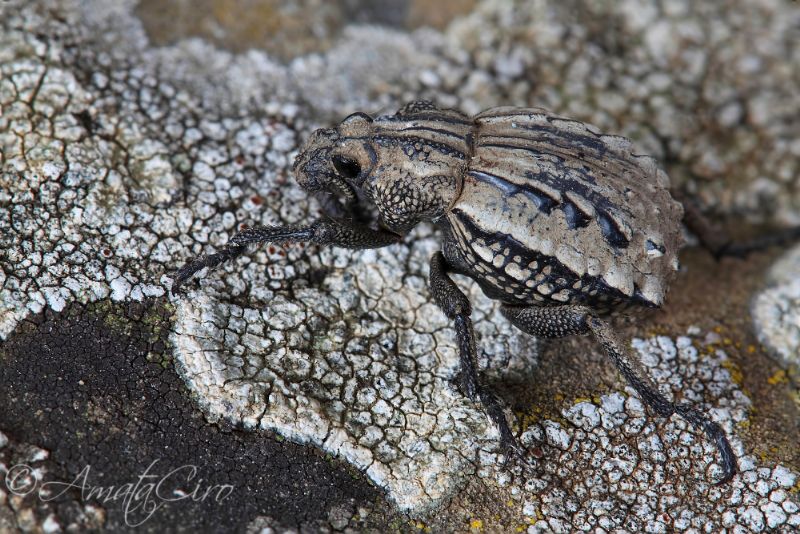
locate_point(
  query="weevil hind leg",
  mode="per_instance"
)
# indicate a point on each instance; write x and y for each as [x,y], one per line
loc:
[456,306]
[561,321]
[719,243]
[322,232]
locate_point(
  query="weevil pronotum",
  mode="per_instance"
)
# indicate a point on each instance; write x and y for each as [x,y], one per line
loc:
[562,224]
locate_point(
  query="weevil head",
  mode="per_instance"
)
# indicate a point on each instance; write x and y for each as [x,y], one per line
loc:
[400,163]
[335,160]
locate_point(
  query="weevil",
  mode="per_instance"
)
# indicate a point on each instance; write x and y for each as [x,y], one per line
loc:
[562,224]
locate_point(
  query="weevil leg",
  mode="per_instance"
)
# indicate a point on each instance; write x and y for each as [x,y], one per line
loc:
[560,321]
[719,243]
[456,306]
[321,232]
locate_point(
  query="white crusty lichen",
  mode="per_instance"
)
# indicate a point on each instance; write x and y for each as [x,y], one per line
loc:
[120,161]
[611,465]
[360,366]
[776,309]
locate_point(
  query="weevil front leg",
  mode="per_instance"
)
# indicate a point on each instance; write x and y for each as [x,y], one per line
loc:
[321,232]
[456,306]
[560,321]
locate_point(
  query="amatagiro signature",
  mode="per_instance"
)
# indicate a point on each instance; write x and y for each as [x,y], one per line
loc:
[140,499]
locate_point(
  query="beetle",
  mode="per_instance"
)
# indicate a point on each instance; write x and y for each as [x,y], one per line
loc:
[562,224]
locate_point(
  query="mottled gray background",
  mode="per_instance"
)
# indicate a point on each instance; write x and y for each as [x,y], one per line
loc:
[316,383]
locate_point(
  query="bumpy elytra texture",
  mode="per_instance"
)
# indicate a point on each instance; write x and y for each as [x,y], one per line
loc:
[580,199]
[147,155]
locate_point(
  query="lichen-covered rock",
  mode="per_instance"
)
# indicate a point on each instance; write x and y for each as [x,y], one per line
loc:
[776,310]
[120,160]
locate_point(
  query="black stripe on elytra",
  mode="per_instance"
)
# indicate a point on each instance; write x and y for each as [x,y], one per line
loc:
[573,146]
[611,231]
[440,131]
[559,270]
[544,202]
[576,217]
[517,248]
[608,226]
[536,153]
[590,141]
[556,133]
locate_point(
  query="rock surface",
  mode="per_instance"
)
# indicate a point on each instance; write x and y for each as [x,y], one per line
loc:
[121,159]
[776,310]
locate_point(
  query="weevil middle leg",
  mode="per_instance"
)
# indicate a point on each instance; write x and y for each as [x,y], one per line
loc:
[456,306]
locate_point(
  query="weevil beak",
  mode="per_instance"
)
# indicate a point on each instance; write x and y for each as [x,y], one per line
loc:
[315,174]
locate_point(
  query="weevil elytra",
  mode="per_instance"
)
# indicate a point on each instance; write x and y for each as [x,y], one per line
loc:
[562,224]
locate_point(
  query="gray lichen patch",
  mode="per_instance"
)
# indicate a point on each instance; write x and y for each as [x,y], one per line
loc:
[610,449]
[360,366]
[776,310]
[609,465]
[121,160]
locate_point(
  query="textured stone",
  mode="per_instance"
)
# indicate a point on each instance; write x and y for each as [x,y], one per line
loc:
[120,160]
[776,310]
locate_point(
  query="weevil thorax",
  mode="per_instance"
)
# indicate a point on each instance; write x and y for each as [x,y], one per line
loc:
[410,165]
[422,154]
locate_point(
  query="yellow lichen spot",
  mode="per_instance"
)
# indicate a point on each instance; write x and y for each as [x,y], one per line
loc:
[420,525]
[521,528]
[476,524]
[509,502]
[751,349]
[527,419]
[718,329]
[582,399]
[778,378]
[744,425]
[558,397]
[736,374]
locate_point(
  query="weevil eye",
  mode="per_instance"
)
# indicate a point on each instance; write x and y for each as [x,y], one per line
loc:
[346,167]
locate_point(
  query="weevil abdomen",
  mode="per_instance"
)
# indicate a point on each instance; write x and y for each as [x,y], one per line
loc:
[597,222]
